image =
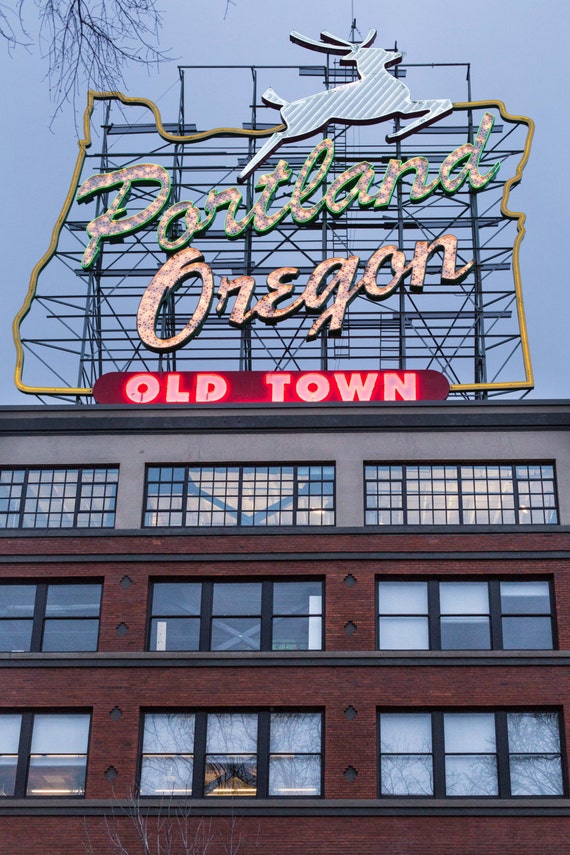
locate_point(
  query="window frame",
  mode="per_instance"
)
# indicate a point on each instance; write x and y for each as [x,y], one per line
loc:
[462,509]
[206,614]
[239,523]
[24,754]
[110,470]
[40,617]
[502,751]
[263,752]
[496,613]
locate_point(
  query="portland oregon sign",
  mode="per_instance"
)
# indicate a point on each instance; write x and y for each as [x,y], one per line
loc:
[336,238]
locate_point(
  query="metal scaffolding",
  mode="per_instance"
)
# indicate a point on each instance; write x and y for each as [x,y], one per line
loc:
[85,320]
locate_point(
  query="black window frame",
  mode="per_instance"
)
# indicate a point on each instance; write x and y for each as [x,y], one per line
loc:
[24,754]
[206,615]
[496,613]
[459,494]
[111,481]
[241,468]
[40,617]
[502,751]
[263,753]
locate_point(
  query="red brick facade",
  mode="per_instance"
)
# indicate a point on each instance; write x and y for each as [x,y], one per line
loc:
[350,816]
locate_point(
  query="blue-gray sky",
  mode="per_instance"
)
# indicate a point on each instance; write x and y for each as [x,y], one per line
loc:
[519,54]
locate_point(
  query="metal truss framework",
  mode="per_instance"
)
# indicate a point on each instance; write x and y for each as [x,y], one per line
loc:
[473,332]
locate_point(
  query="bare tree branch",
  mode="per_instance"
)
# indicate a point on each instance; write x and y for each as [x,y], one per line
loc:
[88,43]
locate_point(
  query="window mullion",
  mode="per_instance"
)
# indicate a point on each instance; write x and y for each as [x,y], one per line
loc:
[433,615]
[206,606]
[405,493]
[39,616]
[199,755]
[263,744]
[459,494]
[240,494]
[266,637]
[516,494]
[24,748]
[496,616]
[78,490]
[503,764]
[438,753]
[23,497]
[185,482]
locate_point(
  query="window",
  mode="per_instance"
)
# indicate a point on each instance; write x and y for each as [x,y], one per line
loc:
[239,495]
[49,617]
[43,754]
[250,754]
[234,616]
[467,615]
[497,754]
[58,498]
[476,494]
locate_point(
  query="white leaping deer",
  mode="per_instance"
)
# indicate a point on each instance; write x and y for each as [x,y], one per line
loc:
[375,97]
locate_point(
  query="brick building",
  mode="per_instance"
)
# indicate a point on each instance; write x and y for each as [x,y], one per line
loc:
[307,629]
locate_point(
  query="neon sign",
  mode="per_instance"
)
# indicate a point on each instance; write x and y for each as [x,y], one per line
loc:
[363,267]
[189,263]
[355,183]
[271,387]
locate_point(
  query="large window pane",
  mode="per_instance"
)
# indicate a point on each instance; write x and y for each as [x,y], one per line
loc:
[73,600]
[76,635]
[471,755]
[176,598]
[535,762]
[525,598]
[231,775]
[237,598]
[470,762]
[9,742]
[536,775]
[58,498]
[290,631]
[400,605]
[465,621]
[527,633]
[406,765]
[236,633]
[168,748]
[402,598]
[240,495]
[477,494]
[471,775]
[166,775]
[58,758]
[175,622]
[295,745]
[406,775]
[16,613]
[404,633]
[231,759]
[465,633]
[295,775]
[295,733]
[17,601]
[175,634]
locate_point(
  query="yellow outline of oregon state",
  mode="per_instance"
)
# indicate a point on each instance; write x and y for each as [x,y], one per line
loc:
[84,144]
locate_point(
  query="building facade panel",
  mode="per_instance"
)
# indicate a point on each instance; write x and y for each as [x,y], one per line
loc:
[243,667]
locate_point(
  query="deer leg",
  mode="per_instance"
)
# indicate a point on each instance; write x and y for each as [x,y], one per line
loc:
[263,153]
[430,111]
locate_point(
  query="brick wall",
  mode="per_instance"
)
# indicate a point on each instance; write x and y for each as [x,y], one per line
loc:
[358,821]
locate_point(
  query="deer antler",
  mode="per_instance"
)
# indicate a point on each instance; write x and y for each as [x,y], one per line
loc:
[335,40]
[370,38]
[323,47]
